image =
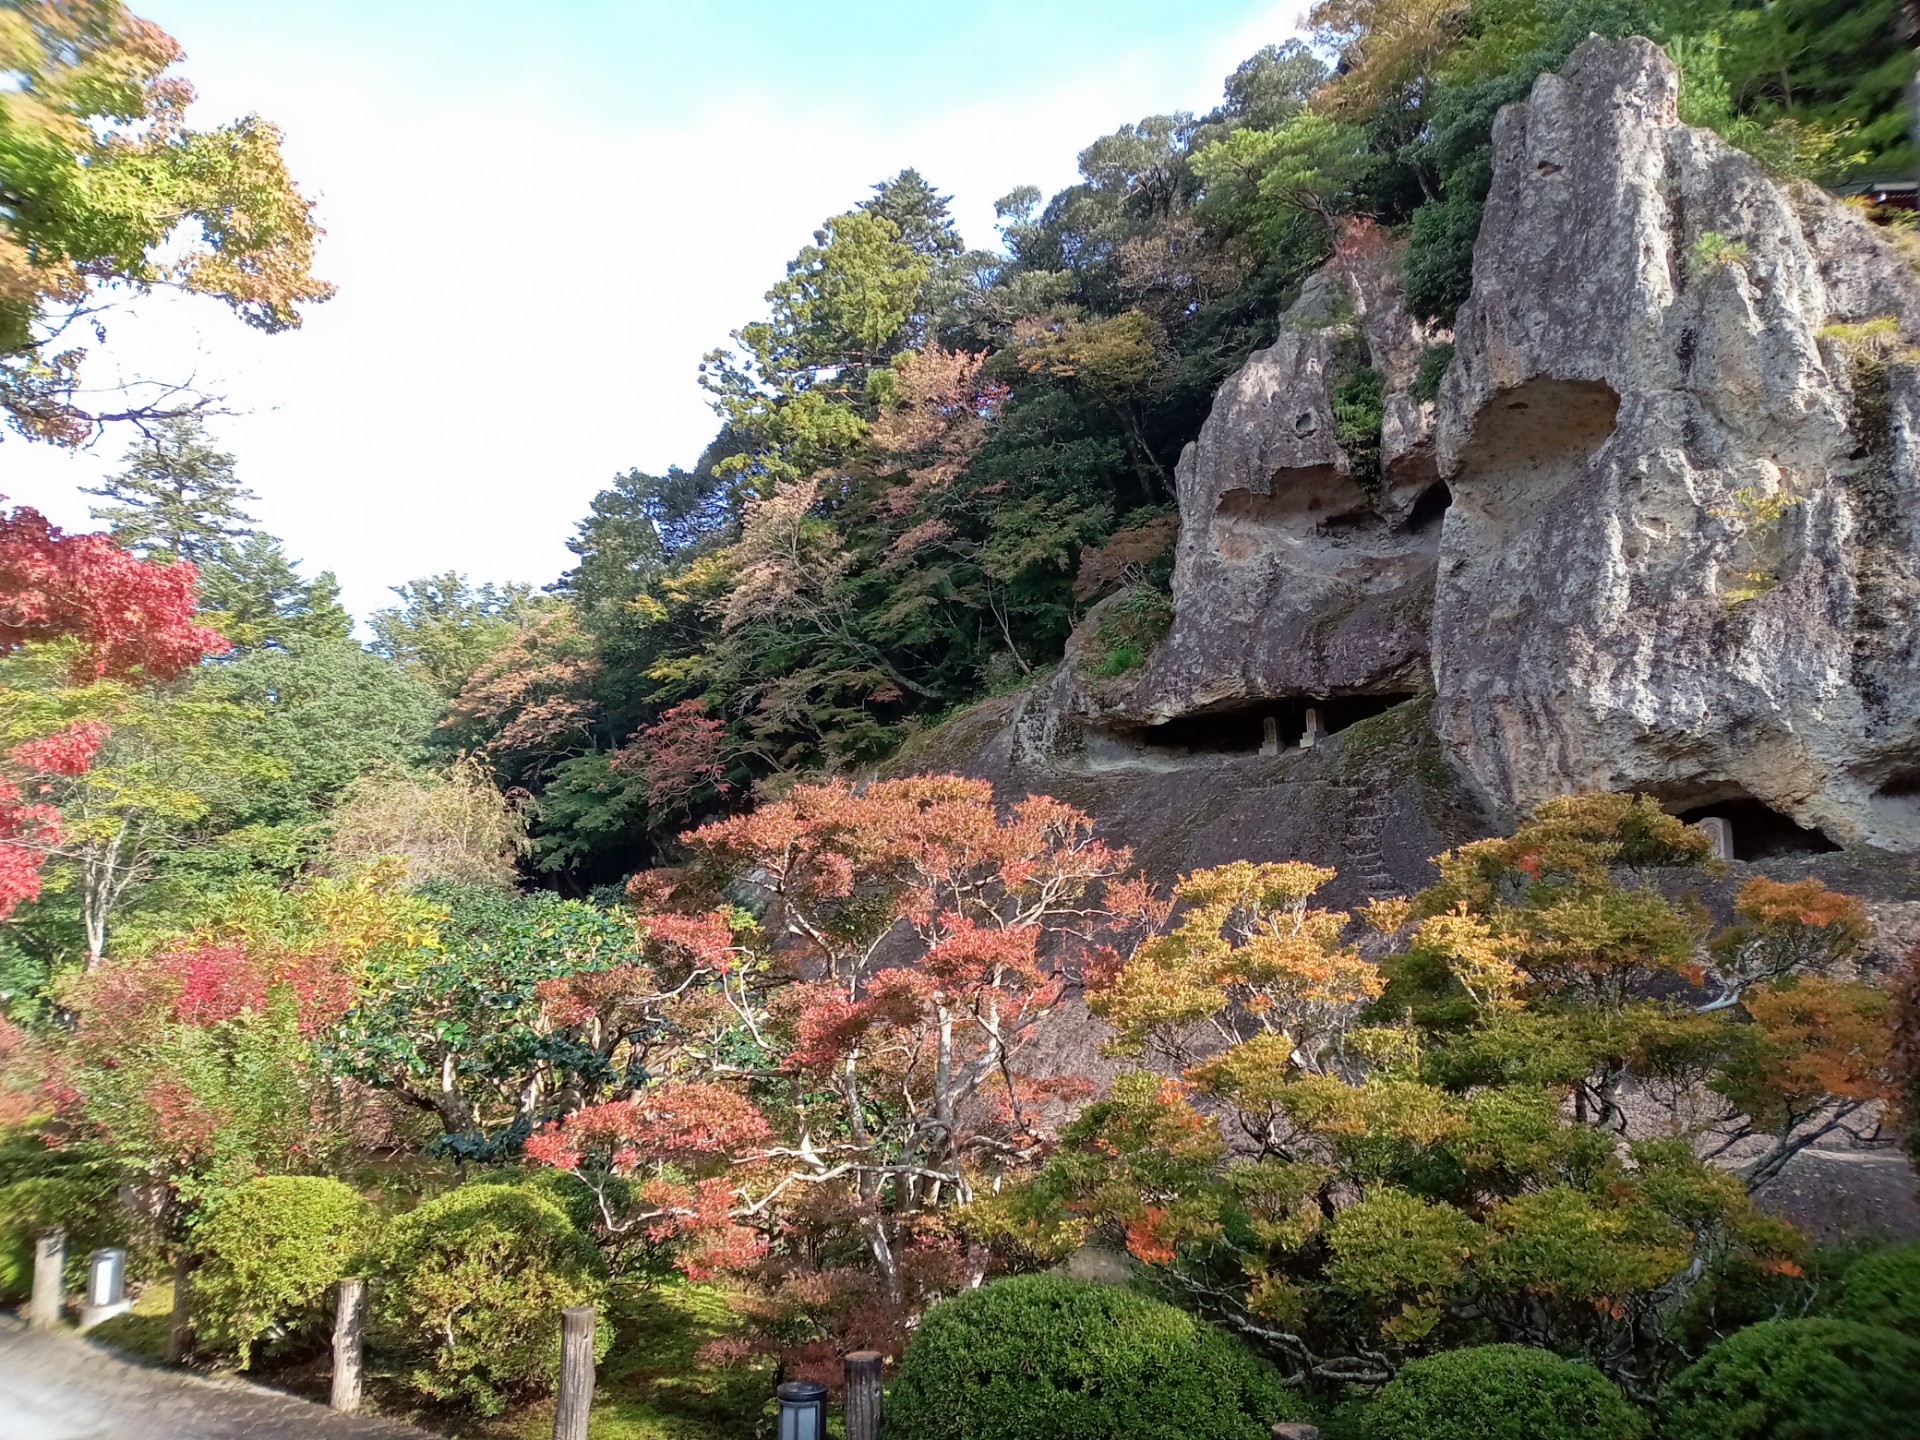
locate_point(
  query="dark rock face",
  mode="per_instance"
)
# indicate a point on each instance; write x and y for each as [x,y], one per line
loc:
[1661,531]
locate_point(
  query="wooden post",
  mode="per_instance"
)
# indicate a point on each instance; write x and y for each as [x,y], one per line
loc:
[865,1370]
[349,1322]
[49,1283]
[576,1373]
[180,1322]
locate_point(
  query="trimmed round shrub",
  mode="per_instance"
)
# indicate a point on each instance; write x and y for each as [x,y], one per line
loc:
[274,1249]
[1048,1358]
[1882,1288]
[1501,1392]
[469,1293]
[1798,1380]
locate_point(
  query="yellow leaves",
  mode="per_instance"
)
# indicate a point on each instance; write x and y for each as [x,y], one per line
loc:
[1117,359]
[1162,989]
[1480,959]
[1248,1075]
[1245,885]
[1247,945]
[1386,916]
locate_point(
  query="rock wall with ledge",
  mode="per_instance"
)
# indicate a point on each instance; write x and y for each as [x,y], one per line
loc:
[1680,556]
[1660,532]
[1304,568]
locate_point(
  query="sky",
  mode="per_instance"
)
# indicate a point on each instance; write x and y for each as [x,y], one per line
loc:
[540,216]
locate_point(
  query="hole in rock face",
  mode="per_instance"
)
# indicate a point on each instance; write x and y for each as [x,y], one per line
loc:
[1243,729]
[1431,507]
[1898,799]
[1759,831]
[1528,444]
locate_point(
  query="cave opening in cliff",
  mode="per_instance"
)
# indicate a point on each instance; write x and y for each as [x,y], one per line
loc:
[1431,507]
[1245,729]
[1759,831]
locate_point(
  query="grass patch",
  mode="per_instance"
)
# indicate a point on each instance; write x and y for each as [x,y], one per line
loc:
[1128,631]
[653,1384]
[142,1331]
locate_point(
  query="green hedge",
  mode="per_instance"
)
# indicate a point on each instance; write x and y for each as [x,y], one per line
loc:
[1882,1288]
[1043,1357]
[469,1291]
[1501,1392]
[1799,1380]
[274,1248]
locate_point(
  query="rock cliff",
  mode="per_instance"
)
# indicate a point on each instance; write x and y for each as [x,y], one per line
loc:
[1661,530]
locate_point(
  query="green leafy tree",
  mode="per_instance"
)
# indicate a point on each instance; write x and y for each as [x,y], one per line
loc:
[459,1030]
[444,627]
[794,388]
[108,188]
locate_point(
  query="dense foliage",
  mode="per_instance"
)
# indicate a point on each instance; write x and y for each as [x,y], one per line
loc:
[1501,1392]
[1882,1288]
[1797,1380]
[270,904]
[274,1249]
[470,1290]
[1049,1358]
[932,459]
[1433,1146]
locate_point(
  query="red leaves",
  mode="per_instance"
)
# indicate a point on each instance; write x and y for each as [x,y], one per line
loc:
[64,752]
[680,755]
[966,957]
[29,831]
[131,617]
[207,984]
[1146,1241]
[670,1123]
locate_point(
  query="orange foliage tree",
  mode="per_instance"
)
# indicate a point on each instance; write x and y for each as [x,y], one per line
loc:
[915,938]
[1505,1113]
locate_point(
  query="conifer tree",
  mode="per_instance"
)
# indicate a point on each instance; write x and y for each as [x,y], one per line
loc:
[263,602]
[178,498]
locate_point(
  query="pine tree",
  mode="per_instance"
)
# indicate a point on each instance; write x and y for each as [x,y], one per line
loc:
[178,498]
[262,603]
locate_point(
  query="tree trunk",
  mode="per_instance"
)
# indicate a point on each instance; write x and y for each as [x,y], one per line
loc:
[180,1322]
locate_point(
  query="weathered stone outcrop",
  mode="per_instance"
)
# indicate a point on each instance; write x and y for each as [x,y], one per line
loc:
[1304,568]
[1680,436]
[1681,553]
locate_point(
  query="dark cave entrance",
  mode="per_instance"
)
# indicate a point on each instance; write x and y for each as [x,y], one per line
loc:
[1243,730]
[1431,507]
[1759,831]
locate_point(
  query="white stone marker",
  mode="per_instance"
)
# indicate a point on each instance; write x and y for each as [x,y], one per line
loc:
[1312,733]
[106,1287]
[1720,831]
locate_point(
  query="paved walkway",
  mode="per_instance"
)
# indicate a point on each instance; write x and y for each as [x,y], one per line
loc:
[60,1387]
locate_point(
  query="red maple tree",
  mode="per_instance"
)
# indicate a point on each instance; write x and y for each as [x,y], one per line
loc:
[125,619]
[915,935]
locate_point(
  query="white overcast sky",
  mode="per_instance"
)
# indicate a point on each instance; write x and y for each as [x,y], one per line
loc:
[540,216]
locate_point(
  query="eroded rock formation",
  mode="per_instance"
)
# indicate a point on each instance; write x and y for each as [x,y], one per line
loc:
[1681,440]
